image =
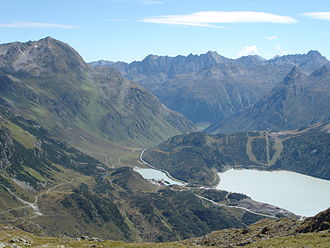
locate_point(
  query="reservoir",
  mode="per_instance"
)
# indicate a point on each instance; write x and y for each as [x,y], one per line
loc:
[300,194]
[152,174]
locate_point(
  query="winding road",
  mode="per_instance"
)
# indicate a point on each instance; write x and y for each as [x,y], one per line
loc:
[202,197]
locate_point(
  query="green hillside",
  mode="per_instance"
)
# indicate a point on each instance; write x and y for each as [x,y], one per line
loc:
[96,111]
[196,157]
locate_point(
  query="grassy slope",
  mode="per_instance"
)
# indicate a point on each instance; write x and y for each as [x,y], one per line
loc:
[76,196]
[194,157]
[232,238]
[99,112]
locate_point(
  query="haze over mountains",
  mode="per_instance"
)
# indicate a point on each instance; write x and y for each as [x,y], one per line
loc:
[209,88]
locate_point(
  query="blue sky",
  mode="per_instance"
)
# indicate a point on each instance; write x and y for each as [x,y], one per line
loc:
[128,30]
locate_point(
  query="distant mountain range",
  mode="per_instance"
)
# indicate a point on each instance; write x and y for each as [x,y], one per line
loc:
[209,88]
[299,100]
[94,110]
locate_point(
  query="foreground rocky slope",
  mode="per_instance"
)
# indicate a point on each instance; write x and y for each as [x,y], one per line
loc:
[96,111]
[196,157]
[269,233]
[277,234]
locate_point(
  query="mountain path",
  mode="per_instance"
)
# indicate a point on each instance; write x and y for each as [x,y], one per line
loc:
[33,205]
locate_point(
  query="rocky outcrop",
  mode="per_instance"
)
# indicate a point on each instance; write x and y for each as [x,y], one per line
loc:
[6,148]
[318,223]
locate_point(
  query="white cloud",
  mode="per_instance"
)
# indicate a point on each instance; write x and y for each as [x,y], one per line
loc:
[248,50]
[318,15]
[280,50]
[274,37]
[209,18]
[34,25]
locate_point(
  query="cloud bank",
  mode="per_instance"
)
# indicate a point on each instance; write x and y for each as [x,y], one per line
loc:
[210,18]
[318,15]
[248,50]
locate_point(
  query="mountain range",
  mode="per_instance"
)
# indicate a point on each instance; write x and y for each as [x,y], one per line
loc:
[53,108]
[299,100]
[209,88]
[71,134]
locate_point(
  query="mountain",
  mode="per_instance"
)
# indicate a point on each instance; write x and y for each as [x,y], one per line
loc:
[51,189]
[209,88]
[96,111]
[197,157]
[48,187]
[300,99]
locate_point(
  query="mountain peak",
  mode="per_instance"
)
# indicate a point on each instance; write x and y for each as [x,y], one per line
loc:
[48,38]
[215,56]
[314,53]
[251,59]
[212,53]
[151,57]
[46,55]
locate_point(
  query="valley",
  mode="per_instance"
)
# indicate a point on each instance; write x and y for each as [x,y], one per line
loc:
[89,155]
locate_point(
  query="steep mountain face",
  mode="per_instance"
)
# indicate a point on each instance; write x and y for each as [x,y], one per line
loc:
[300,99]
[47,81]
[210,88]
[196,157]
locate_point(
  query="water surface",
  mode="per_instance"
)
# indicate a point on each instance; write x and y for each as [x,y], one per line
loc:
[152,174]
[300,194]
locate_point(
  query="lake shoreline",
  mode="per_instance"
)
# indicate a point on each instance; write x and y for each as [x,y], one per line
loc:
[301,194]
